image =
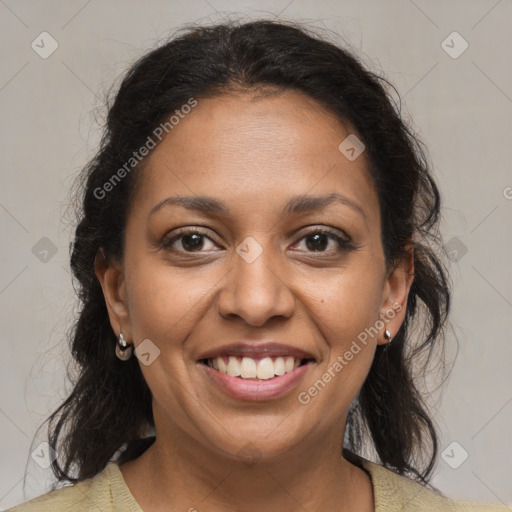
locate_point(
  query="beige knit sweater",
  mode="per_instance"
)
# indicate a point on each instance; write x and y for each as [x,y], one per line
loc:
[108,492]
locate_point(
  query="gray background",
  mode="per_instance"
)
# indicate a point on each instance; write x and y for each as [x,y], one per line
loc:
[461,107]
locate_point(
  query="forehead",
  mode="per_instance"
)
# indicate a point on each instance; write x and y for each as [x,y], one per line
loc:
[257,150]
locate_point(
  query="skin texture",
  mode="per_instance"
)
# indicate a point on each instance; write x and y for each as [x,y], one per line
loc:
[253,153]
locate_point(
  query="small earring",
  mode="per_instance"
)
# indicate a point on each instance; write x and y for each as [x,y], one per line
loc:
[387,335]
[123,349]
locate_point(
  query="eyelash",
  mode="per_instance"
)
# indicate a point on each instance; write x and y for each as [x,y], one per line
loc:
[344,243]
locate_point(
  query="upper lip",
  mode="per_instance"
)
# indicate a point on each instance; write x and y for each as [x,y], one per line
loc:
[253,350]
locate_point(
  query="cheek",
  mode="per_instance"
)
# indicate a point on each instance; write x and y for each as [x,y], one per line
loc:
[343,320]
[345,308]
[344,302]
[166,302]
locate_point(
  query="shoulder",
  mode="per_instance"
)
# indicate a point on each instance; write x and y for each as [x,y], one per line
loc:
[394,492]
[106,491]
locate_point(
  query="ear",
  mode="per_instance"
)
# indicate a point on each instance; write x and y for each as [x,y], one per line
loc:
[395,293]
[111,277]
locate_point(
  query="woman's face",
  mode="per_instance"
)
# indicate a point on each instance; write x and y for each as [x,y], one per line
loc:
[265,268]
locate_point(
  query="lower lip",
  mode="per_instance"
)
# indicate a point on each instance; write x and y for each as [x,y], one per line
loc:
[255,389]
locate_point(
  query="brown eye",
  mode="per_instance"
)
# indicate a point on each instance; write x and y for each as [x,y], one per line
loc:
[190,241]
[319,241]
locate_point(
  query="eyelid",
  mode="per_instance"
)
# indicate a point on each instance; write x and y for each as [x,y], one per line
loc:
[344,241]
[181,232]
[318,228]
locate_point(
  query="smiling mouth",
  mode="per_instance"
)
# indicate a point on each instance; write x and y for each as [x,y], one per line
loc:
[264,368]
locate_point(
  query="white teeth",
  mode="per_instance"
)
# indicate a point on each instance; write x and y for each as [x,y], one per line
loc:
[265,369]
[248,368]
[279,366]
[233,367]
[223,367]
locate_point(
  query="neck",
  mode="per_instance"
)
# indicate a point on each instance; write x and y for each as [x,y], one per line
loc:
[178,473]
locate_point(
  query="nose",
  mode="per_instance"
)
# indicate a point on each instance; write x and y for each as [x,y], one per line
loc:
[256,291]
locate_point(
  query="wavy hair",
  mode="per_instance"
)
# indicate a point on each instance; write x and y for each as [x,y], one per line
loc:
[108,413]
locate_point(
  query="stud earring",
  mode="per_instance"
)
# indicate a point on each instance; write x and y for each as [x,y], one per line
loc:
[123,349]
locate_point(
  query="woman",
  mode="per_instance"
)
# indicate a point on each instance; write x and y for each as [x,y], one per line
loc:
[255,251]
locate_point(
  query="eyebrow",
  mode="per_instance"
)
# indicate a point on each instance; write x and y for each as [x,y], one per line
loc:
[295,205]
